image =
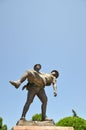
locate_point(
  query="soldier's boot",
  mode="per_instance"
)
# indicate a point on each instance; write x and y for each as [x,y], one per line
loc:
[23,118]
[44,118]
[16,84]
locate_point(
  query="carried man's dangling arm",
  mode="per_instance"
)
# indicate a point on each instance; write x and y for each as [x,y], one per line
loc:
[55,87]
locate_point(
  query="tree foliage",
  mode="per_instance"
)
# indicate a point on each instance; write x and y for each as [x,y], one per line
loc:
[2,127]
[37,117]
[76,122]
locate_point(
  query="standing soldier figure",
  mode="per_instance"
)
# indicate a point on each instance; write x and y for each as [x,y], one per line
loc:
[35,86]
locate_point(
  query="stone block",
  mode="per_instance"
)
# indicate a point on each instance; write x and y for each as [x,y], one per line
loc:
[35,123]
[41,128]
[38,125]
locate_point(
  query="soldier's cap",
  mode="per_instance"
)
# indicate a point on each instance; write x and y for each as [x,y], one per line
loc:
[37,65]
[56,73]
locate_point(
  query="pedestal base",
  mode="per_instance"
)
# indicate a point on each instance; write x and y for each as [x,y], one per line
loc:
[38,125]
[35,123]
[41,128]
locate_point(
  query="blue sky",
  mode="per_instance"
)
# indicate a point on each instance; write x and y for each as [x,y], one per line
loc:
[49,32]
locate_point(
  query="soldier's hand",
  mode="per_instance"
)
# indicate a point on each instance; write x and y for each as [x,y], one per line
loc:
[55,94]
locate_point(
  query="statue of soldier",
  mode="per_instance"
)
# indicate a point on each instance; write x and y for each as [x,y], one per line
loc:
[35,86]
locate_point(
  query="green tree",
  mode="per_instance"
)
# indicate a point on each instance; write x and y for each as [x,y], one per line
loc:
[2,127]
[77,123]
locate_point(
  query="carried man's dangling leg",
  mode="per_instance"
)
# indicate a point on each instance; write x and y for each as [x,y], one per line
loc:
[17,83]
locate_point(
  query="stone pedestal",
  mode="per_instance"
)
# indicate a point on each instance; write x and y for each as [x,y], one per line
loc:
[35,123]
[38,125]
[41,128]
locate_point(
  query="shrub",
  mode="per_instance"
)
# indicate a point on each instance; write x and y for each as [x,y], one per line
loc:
[2,127]
[37,117]
[0,122]
[76,122]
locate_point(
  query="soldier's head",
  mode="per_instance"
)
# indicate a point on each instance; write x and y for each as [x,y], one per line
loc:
[37,67]
[55,73]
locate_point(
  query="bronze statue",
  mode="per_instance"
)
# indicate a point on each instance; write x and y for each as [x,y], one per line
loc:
[35,86]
